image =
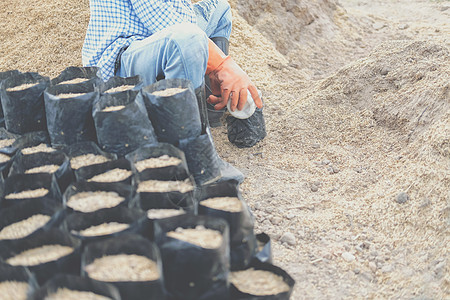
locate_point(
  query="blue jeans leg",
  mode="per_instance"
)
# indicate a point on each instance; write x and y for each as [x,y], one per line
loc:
[179,51]
[214,17]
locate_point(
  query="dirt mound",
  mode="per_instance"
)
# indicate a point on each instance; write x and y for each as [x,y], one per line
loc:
[405,86]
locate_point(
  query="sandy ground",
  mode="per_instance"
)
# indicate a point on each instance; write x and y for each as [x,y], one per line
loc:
[352,181]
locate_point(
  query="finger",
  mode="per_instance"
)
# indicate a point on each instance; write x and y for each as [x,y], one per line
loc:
[226,95]
[214,99]
[255,96]
[242,99]
[234,100]
[220,105]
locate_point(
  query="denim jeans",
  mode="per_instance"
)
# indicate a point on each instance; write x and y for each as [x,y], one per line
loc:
[181,50]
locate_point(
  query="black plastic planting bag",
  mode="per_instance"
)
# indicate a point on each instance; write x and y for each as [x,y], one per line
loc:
[123,190]
[63,174]
[190,271]
[18,183]
[132,83]
[155,151]
[27,140]
[242,237]
[175,116]
[125,130]
[77,221]
[75,283]
[236,294]
[77,73]
[69,263]
[128,244]
[202,158]
[86,173]
[7,138]
[3,76]
[24,109]
[264,248]
[28,208]
[17,274]
[246,133]
[68,110]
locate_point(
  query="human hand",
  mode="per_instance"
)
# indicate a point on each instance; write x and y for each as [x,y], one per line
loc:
[230,82]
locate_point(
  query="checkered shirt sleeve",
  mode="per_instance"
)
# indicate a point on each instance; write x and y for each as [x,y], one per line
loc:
[114,24]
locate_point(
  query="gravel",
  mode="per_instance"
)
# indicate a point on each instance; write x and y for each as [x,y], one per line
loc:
[23,228]
[288,238]
[43,169]
[162,213]
[161,186]
[114,175]
[13,290]
[230,204]
[28,194]
[40,255]
[258,282]
[87,160]
[348,257]
[157,162]
[200,236]
[66,294]
[92,201]
[123,267]
[104,229]
[402,198]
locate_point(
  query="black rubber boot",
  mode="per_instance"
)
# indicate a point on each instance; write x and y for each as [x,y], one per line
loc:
[215,116]
[203,161]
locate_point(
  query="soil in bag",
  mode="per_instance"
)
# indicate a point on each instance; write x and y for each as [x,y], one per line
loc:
[16,283]
[3,76]
[64,286]
[76,75]
[103,223]
[23,102]
[178,193]
[172,107]
[122,123]
[246,133]
[195,257]
[68,110]
[112,172]
[87,154]
[45,254]
[29,217]
[263,248]
[223,200]
[56,163]
[160,158]
[21,187]
[91,196]
[161,208]
[118,84]
[130,262]
[261,281]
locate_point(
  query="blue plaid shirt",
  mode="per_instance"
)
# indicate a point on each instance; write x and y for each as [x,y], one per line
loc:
[114,24]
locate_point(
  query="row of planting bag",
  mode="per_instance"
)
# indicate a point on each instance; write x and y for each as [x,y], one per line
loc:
[128,219]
